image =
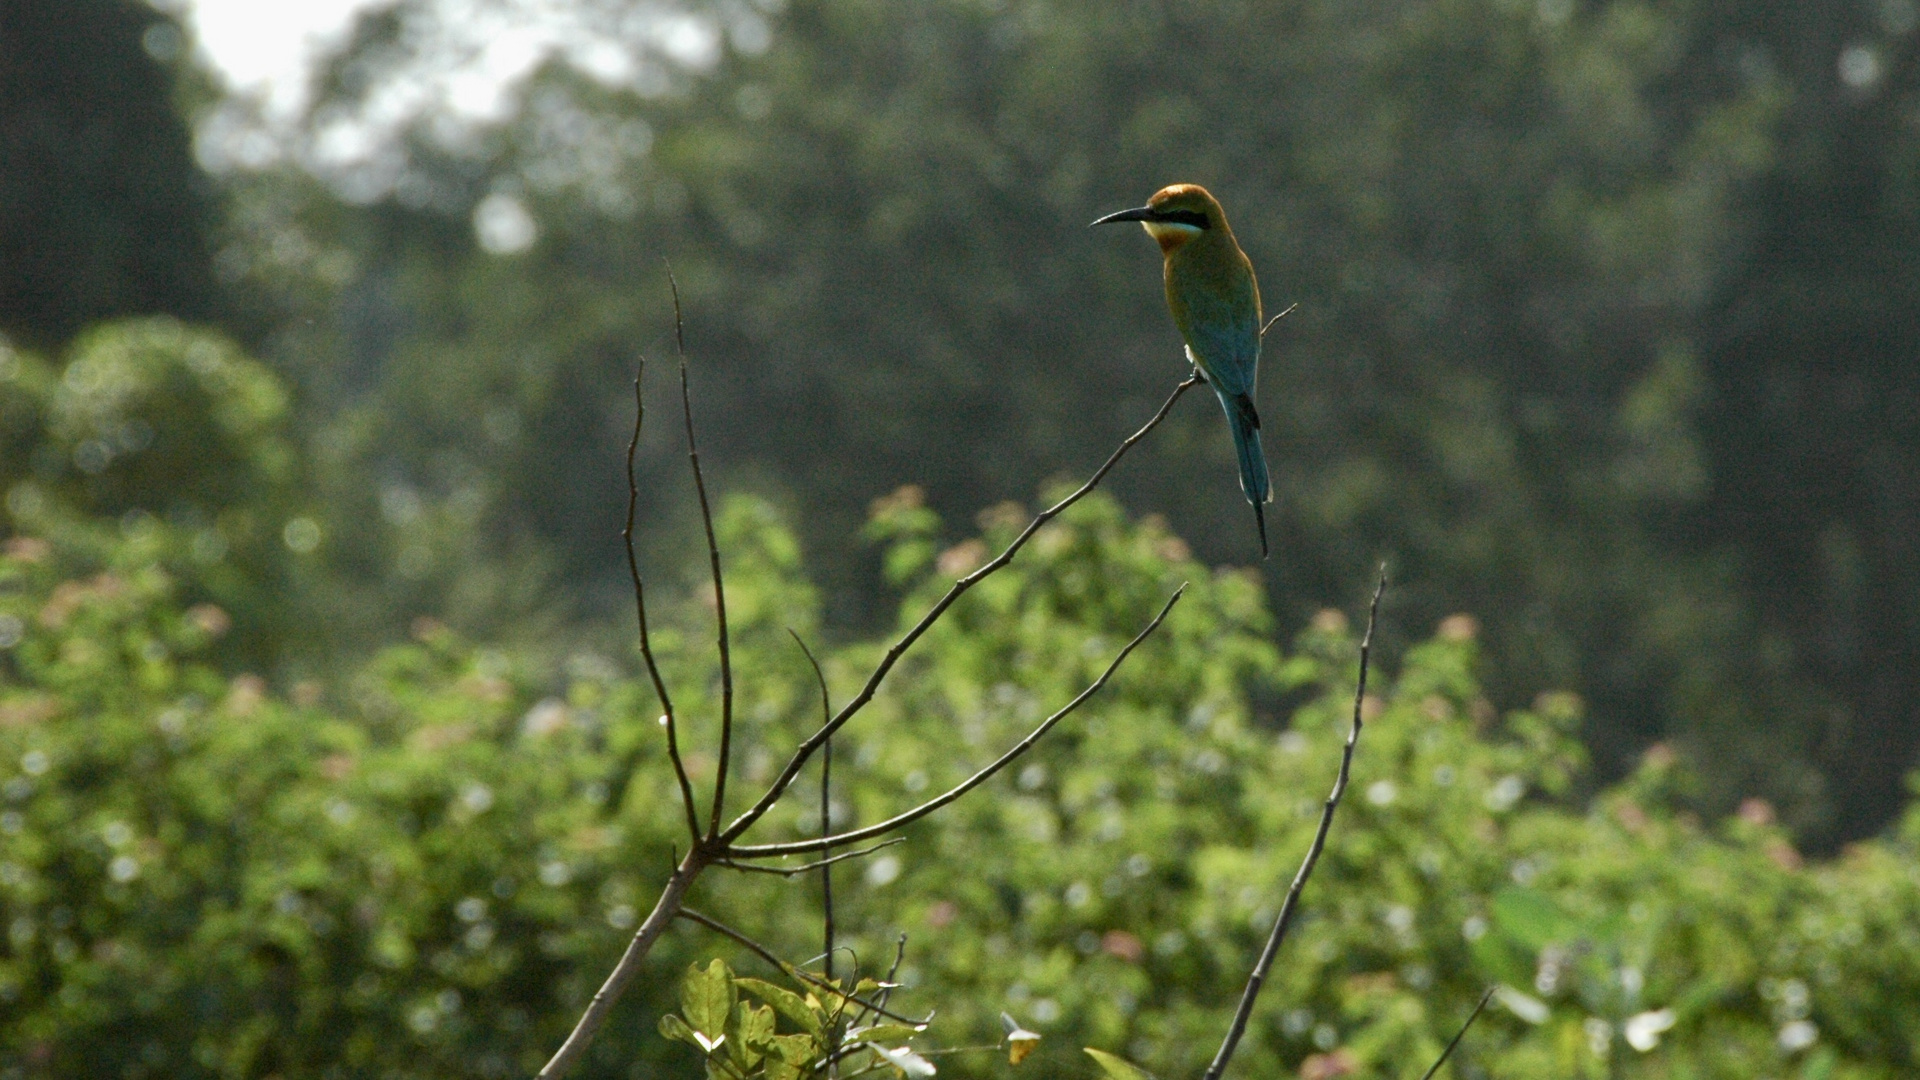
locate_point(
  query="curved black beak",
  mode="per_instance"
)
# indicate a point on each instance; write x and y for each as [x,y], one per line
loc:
[1144,213]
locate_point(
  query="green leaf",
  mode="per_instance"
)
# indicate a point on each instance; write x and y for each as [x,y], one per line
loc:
[885,1033]
[794,1049]
[780,1070]
[707,999]
[755,1024]
[1117,1067]
[1532,918]
[806,1012]
[672,1027]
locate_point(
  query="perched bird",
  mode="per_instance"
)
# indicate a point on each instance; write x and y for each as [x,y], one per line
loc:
[1216,304]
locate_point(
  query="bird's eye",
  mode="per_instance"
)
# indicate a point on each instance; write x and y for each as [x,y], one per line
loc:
[1194,218]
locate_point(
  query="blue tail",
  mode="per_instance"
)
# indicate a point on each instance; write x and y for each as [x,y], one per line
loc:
[1245,424]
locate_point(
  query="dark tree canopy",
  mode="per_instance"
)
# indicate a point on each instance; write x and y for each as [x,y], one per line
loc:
[102,210]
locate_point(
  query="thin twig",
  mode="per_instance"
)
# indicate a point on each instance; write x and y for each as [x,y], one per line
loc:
[1462,1033]
[825,864]
[953,593]
[670,904]
[1259,977]
[887,984]
[1277,318]
[856,836]
[790,970]
[640,609]
[806,868]
[713,557]
[716,845]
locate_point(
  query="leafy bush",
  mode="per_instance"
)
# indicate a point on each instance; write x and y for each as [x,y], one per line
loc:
[425,870]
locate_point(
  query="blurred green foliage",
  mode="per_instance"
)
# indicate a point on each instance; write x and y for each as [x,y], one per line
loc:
[1600,332]
[1604,337]
[167,442]
[425,870]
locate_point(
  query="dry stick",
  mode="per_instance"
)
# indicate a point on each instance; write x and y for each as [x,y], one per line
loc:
[640,609]
[795,971]
[670,904]
[1462,1033]
[1292,902]
[826,861]
[855,836]
[707,850]
[807,868]
[713,556]
[880,998]
[826,810]
[899,648]
[1277,318]
[887,984]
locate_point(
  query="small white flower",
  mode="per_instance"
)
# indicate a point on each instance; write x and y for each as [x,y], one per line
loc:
[1643,1030]
[1798,1035]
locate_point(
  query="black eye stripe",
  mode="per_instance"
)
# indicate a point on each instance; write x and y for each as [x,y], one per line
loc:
[1182,217]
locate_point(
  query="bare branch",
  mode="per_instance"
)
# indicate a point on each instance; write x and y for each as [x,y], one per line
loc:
[826,811]
[856,836]
[1462,1033]
[713,556]
[1277,318]
[825,864]
[899,648]
[817,864]
[792,970]
[887,984]
[640,609]
[670,903]
[1259,977]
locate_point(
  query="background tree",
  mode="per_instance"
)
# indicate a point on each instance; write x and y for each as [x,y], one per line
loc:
[1523,238]
[103,212]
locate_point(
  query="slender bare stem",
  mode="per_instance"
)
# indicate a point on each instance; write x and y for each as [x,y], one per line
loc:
[1277,318]
[887,984]
[1259,977]
[825,863]
[795,971]
[716,847]
[857,836]
[899,648]
[828,858]
[672,899]
[1461,1034]
[713,557]
[640,609]
[807,868]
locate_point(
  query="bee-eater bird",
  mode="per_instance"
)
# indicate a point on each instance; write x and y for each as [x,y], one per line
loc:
[1216,305]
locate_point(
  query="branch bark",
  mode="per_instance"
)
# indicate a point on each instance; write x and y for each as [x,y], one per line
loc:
[640,610]
[672,901]
[724,642]
[900,647]
[1461,1034]
[1280,925]
[855,836]
[715,847]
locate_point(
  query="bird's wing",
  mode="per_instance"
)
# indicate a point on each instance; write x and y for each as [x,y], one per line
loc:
[1223,334]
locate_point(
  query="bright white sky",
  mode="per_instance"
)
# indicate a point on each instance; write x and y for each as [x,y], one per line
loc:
[470,58]
[265,46]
